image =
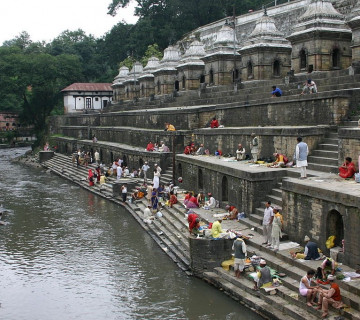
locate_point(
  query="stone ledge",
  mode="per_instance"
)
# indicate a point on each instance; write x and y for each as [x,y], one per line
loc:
[349,133]
[343,192]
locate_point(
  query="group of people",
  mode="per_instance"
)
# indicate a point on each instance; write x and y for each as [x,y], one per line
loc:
[272,226]
[199,150]
[157,147]
[309,87]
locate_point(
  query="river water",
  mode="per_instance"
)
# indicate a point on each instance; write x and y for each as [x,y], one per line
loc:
[68,254]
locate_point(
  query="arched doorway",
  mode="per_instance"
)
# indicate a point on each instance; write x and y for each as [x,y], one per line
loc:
[177,85]
[335,226]
[250,70]
[224,189]
[141,163]
[276,68]
[180,172]
[124,158]
[111,157]
[183,82]
[158,85]
[235,75]
[200,180]
[211,77]
[303,59]
[335,57]
[202,79]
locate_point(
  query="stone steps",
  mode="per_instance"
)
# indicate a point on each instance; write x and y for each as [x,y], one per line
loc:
[325,157]
[298,312]
[168,232]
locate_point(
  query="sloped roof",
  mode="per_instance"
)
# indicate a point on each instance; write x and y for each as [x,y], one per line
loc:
[88,87]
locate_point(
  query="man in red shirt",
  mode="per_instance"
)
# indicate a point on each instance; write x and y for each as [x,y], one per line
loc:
[331,296]
[233,212]
[214,123]
[150,146]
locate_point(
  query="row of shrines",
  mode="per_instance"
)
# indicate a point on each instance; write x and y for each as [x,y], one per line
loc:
[322,39]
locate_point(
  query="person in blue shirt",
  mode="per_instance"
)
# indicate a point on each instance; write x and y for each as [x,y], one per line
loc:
[276,92]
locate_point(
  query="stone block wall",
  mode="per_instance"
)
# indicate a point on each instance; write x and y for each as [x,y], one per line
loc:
[307,209]
[140,138]
[78,132]
[349,145]
[245,189]
[205,254]
[271,139]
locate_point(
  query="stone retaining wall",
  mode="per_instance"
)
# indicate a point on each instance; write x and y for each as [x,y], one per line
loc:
[271,139]
[245,190]
[349,144]
[309,210]
[206,254]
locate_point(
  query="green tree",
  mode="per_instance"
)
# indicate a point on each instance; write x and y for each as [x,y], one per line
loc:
[152,51]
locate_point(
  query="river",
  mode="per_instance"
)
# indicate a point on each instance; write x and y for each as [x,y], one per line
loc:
[68,254]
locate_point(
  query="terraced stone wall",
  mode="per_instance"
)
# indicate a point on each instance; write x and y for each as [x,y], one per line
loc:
[271,139]
[307,210]
[246,190]
[349,145]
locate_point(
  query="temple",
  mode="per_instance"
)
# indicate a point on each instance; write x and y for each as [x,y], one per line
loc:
[226,70]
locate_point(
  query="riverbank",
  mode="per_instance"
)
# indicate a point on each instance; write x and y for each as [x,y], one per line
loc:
[170,233]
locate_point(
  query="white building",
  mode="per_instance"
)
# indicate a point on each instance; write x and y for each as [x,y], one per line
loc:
[80,97]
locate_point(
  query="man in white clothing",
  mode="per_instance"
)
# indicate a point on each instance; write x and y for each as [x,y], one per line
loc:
[147,217]
[144,169]
[267,223]
[301,154]
[97,157]
[118,172]
[158,169]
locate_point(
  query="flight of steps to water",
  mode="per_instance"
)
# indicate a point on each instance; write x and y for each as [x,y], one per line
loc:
[171,233]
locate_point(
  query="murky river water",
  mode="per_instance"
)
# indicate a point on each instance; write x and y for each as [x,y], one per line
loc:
[68,254]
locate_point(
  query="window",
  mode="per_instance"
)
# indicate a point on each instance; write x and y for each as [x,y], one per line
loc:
[276,68]
[176,85]
[303,59]
[96,99]
[88,103]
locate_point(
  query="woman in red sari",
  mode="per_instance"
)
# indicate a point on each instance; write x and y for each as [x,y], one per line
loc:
[347,170]
[91,177]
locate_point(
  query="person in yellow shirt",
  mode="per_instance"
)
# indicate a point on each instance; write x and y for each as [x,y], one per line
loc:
[217,231]
[169,127]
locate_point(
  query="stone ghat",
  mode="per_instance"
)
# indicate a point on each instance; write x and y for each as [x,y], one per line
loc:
[246,91]
[170,233]
[321,109]
[109,151]
[137,137]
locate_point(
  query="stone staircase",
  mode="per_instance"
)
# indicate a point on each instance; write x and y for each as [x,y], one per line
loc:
[325,157]
[171,234]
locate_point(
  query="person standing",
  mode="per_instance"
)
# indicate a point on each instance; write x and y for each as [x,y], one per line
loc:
[156,179]
[118,172]
[267,223]
[254,147]
[301,153]
[124,192]
[144,169]
[276,230]
[97,157]
[239,247]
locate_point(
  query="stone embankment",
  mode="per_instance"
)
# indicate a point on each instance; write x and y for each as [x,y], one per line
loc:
[171,233]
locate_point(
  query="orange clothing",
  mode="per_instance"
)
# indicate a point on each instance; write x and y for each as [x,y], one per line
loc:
[336,296]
